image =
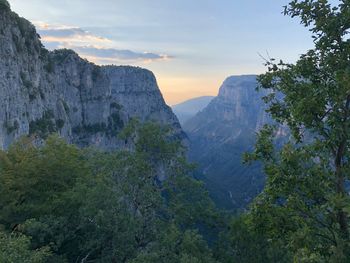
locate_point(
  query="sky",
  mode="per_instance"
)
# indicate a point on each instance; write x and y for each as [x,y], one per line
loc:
[190,45]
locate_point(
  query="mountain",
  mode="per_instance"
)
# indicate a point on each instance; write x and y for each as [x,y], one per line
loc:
[44,92]
[221,133]
[189,108]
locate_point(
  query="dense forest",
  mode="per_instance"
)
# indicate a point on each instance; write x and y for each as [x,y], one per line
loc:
[61,203]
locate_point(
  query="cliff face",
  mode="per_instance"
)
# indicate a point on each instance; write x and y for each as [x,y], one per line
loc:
[237,110]
[221,133]
[43,92]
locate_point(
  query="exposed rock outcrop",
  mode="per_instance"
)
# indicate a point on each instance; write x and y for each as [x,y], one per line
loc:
[221,133]
[43,91]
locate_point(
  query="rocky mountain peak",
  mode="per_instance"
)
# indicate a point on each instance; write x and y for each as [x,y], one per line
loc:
[221,133]
[57,91]
[237,84]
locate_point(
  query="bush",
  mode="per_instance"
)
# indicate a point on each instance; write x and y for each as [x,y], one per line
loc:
[11,127]
[45,125]
[4,5]
[16,248]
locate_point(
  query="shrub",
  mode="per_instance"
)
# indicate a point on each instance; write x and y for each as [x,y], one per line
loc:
[4,5]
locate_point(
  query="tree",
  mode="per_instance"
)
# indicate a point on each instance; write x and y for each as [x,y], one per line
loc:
[176,246]
[16,248]
[242,243]
[4,5]
[306,177]
[65,204]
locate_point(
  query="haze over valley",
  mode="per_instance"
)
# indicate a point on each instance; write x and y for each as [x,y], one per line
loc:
[141,131]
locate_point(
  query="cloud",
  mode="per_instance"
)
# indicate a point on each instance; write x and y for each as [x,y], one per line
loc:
[69,34]
[112,54]
[95,48]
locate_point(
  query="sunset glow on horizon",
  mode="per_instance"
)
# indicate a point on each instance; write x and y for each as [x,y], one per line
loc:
[191,47]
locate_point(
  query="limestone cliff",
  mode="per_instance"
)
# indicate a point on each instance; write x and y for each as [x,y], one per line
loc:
[221,133]
[237,110]
[44,92]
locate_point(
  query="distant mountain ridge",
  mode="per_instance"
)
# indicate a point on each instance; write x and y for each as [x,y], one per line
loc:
[189,108]
[221,133]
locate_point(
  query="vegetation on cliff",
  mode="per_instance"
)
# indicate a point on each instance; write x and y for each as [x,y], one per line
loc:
[61,203]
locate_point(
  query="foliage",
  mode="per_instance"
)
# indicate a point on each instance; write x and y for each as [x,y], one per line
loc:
[50,65]
[305,201]
[45,125]
[96,73]
[242,243]
[4,5]
[59,56]
[11,127]
[115,105]
[114,125]
[59,123]
[16,248]
[176,246]
[74,205]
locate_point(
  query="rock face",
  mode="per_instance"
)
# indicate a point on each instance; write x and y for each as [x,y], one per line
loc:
[44,92]
[189,108]
[221,133]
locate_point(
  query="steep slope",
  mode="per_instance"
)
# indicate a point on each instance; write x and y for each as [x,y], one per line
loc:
[43,92]
[221,133]
[189,108]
